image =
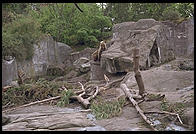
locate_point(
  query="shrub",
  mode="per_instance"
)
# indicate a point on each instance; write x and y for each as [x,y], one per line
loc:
[82,36]
[92,41]
[19,36]
[171,14]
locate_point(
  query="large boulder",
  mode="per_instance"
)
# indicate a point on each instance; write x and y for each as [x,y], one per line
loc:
[150,36]
[63,51]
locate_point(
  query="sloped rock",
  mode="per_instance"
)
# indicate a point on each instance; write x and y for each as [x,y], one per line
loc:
[94,128]
[189,116]
[148,35]
[48,121]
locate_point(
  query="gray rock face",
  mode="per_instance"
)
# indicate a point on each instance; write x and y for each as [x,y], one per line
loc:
[189,116]
[150,36]
[63,51]
[97,73]
[182,37]
[49,52]
[9,71]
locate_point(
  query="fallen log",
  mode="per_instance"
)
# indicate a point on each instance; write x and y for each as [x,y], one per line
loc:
[85,102]
[135,104]
[33,103]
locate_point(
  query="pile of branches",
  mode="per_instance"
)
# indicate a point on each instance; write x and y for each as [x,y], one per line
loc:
[33,90]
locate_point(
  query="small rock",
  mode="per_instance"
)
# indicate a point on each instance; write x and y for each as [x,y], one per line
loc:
[95,128]
[14,84]
[156,122]
[84,68]
[175,128]
[91,117]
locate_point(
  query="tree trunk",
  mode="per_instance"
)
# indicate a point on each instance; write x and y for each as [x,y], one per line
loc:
[138,76]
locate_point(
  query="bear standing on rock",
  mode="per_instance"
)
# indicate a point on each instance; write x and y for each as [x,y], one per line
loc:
[97,54]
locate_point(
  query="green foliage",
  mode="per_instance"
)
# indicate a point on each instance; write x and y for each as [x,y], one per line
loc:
[171,14]
[19,36]
[185,9]
[68,25]
[135,11]
[107,109]
[65,95]
[177,107]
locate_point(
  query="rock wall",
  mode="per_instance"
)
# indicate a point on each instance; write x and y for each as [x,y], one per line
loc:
[47,52]
[182,37]
[9,71]
[97,73]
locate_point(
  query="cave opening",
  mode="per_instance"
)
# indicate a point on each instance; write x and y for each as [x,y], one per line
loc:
[154,56]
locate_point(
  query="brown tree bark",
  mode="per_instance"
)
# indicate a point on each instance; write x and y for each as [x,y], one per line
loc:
[138,76]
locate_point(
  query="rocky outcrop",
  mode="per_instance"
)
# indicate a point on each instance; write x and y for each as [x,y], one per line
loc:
[97,73]
[182,37]
[150,36]
[82,65]
[49,52]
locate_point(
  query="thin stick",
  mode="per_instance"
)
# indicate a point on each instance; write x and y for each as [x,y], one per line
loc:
[33,103]
[6,105]
[94,95]
[165,112]
[82,86]
[139,110]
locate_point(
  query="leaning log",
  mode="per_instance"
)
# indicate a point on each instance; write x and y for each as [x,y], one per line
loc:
[135,104]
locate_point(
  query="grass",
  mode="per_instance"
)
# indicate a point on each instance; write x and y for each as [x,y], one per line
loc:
[65,95]
[177,107]
[107,109]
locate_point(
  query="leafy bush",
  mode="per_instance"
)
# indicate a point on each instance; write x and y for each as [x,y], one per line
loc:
[171,14]
[82,36]
[92,41]
[66,24]
[19,36]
